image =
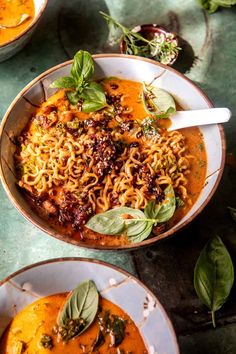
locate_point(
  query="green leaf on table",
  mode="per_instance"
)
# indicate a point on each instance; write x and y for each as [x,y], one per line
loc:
[232,213]
[214,275]
[81,306]
[82,68]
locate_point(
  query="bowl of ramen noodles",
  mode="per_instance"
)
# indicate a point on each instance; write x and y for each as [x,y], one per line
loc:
[18,20]
[87,155]
[81,311]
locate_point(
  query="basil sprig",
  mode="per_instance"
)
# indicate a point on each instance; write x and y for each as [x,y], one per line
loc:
[80,308]
[134,223]
[214,275]
[79,85]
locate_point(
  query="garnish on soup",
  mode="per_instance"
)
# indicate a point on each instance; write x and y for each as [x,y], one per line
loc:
[73,323]
[15,17]
[108,171]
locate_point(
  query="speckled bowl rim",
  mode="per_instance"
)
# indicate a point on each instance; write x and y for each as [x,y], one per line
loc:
[36,19]
[130,246]
[105,264]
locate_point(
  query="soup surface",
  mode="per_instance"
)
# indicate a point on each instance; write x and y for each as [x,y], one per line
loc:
[33,331]
[73,165]
[10,14]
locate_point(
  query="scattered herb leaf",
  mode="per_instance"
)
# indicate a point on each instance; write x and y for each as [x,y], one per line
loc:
[79,310]
[232,213]
[149,127]
[114,326]
[80,88]
[117,330]
[214,275]
[99,341]
[46,341]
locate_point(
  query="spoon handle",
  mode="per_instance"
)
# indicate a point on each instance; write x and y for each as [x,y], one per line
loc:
[184,119]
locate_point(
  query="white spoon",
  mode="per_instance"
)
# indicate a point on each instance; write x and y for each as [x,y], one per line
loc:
[22,19]
[184,119]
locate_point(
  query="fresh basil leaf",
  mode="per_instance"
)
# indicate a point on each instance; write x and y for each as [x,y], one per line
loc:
[164,211]
[168,205]
[94,98]
[232,213]
[72,97]
[106,223]
[214,275]
[113,222]
[82,68]
[151,209]
[139,237]
[158,102]
[81,304]
[66,82]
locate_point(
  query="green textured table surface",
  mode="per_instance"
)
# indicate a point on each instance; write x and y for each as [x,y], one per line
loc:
[208,58]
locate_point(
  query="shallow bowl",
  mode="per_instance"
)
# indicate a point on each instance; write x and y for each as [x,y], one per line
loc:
[8,49]
[149,31]
[113,283]
[188,95]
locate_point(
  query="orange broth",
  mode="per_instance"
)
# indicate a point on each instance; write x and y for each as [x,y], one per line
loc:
[131,92]
[40,317]
[10,14]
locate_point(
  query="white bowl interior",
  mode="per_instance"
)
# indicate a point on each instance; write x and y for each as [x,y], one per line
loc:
[116,286]
[38,5]
[187,94]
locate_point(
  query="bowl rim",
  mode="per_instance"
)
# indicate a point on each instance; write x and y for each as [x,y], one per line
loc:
[105,264]
[27,29]
[131,246]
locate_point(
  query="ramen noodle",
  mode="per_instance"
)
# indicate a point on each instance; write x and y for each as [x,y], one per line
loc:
[73,164]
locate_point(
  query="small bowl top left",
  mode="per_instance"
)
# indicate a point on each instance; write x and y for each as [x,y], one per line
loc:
[15,44]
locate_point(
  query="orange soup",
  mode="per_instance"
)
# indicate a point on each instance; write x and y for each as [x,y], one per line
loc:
[33,331]
[74,165]
[11,12]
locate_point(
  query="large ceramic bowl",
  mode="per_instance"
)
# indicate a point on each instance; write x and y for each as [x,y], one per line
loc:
[187,94]
[14,45]
[116,285]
